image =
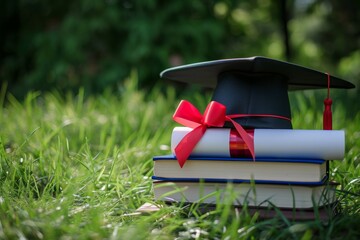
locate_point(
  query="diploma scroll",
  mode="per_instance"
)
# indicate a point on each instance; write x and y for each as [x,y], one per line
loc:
[268,143]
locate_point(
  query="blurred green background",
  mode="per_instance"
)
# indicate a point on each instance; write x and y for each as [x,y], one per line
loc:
[65,45]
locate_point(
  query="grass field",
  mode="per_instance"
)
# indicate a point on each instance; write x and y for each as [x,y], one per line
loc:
[76,167]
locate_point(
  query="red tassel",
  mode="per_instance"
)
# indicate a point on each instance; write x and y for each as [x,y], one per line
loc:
[327,116]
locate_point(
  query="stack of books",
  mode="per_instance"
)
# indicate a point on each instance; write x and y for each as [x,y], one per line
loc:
[290,172]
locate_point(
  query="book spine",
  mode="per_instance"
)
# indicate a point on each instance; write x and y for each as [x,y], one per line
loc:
[268,143]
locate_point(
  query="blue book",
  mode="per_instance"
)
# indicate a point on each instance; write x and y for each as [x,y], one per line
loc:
[242,170]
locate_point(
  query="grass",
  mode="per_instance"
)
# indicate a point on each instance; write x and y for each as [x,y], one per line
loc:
[76,167]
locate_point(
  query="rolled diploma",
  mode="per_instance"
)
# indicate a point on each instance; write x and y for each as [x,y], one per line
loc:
[281,143]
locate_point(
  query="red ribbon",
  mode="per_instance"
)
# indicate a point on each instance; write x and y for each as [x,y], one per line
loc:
[214,116]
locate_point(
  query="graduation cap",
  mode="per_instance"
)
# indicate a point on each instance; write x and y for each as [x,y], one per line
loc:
[255,86]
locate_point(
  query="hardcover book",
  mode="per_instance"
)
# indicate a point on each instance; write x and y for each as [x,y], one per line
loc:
[225,168]
[250,194]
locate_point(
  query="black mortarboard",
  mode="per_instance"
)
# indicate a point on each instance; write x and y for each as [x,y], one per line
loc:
[255,85]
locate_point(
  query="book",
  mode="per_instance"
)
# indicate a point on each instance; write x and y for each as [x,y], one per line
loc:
[226,168]
[324,213]
[277,143]
[249,194]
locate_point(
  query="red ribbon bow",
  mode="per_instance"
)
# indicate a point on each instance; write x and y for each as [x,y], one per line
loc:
[214,116]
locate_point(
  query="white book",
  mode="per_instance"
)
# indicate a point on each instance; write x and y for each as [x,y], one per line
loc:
[265,169]
[252,195]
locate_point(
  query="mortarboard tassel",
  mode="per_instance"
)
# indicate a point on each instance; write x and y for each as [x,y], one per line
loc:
[327,116]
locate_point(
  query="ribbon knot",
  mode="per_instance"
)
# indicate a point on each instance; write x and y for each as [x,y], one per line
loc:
[214,116]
